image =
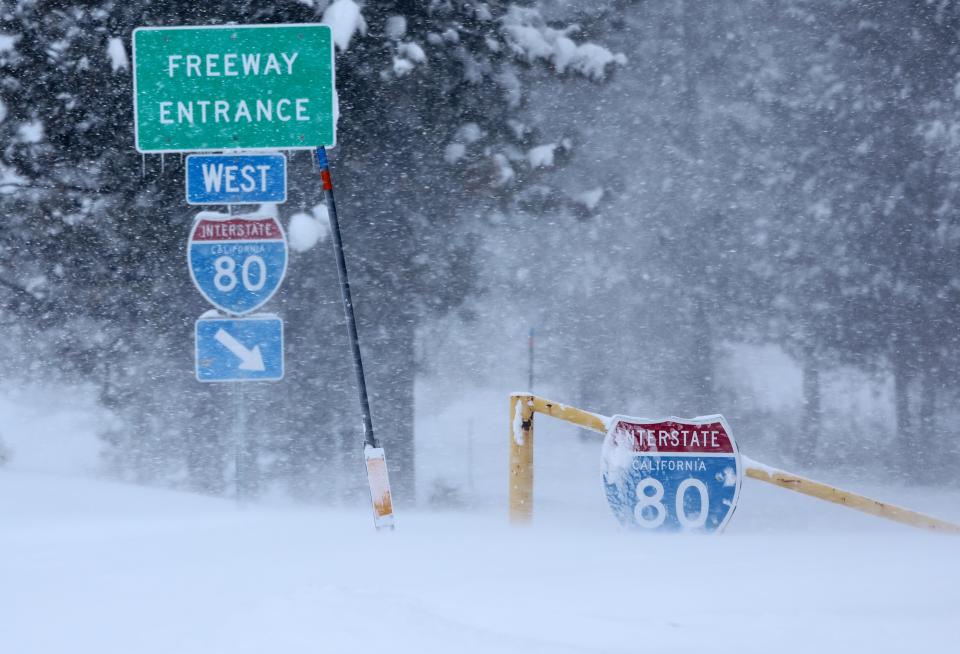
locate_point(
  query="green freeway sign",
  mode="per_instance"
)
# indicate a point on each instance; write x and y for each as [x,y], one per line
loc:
[230,87]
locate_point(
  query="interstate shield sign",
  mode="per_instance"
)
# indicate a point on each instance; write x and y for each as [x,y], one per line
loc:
[671,474]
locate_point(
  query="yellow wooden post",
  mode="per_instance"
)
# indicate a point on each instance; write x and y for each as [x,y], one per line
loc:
[521,458]
[854,501]
[524,405]
[585,419]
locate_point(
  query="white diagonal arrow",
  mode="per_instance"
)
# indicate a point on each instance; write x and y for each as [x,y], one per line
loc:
[249,359]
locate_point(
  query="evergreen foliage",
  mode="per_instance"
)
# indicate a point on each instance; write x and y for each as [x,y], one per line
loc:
[430,137]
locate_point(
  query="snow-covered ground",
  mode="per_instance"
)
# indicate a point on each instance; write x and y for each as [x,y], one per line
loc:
[95,567]
[90,566]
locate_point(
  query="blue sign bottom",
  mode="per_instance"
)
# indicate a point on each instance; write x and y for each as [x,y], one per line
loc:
[239,349]
[674,493]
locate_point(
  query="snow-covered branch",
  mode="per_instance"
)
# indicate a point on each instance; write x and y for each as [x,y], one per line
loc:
[530,38]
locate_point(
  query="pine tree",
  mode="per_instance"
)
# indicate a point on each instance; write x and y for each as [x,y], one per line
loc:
[428,138]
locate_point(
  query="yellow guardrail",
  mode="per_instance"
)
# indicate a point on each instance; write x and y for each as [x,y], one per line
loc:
[523,406]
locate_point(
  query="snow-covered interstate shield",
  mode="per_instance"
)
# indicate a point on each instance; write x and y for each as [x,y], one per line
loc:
[671,474]
[237,262]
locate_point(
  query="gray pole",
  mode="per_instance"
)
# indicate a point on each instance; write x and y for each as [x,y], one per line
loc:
[239,428]
[470,487]
[240,437]
[530,362]
[368,437]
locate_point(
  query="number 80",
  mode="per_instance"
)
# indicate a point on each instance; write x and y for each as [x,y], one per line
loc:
[225,277]
[655,503]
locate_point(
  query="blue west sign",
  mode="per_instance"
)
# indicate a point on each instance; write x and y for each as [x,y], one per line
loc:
[239,349]
[671,474]
[236,178]
[237,262]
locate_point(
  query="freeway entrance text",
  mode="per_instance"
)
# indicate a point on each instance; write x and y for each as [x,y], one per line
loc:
[233,87]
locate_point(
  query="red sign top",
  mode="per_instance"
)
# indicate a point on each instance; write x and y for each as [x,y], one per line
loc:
[238,229]
[674,436]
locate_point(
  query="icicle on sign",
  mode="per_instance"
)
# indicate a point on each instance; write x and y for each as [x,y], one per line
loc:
[230,87]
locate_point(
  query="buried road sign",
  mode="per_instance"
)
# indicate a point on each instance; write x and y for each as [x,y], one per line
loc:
[233,87]
[671,474]
[237,262]
[239,349]
[236,178]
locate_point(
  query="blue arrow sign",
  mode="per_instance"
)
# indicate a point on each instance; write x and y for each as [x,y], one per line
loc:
[239,349]
[237,262]
[671,474]
[236,178]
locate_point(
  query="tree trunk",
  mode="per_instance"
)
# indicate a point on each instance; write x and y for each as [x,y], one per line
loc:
[700,376]
[205,441]
[806,445]
[905,437]
[928,440]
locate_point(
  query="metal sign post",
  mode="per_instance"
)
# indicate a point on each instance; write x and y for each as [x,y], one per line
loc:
[373,453]
[239,440]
